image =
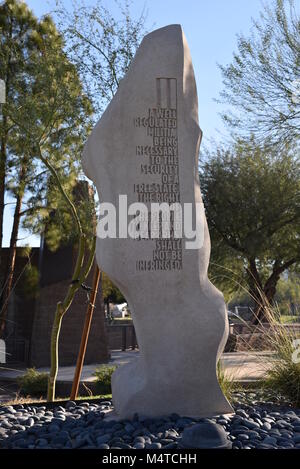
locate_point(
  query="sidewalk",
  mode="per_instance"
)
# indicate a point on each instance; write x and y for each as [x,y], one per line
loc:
[245,367]
[241,366]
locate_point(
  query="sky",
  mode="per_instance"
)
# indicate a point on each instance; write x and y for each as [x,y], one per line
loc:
[210,27]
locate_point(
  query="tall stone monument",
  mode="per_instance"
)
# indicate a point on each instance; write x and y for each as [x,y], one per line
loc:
[146,147]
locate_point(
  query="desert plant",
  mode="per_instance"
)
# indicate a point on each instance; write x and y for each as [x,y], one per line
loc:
[281,366]
[103,379]
[282,370]
[284,377]
[283,373]
[226,381]
[33,383]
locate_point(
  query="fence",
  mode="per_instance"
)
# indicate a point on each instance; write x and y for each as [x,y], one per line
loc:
[17,351]
[121,337]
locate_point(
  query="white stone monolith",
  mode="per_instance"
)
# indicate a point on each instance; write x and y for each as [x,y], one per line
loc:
[145,148]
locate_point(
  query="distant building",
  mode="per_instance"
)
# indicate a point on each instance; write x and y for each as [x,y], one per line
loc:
[29,320]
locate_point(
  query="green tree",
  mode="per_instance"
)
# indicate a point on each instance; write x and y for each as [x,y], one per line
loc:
[101,46]
[262,83]
[45,112]
[252,200]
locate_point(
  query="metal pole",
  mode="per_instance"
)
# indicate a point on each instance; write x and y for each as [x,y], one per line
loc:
[85,334]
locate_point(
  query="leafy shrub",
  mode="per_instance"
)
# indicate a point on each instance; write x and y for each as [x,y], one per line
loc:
[103,379]
[33,383]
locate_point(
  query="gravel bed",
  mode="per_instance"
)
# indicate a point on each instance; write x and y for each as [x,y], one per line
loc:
[256,424]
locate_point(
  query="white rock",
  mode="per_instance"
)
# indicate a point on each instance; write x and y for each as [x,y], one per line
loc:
[179,316]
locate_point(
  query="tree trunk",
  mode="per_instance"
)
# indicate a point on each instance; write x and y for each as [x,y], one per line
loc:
[2,178]
[266,301]
[79,276]
[255,286]
[3,150]
[264,295]
[11,261]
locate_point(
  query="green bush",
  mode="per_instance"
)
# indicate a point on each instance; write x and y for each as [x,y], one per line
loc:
[33,383]
[103,379]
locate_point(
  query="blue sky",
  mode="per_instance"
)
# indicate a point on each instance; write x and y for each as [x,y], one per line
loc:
[210,27]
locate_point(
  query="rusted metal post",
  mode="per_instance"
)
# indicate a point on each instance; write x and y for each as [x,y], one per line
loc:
[85,334]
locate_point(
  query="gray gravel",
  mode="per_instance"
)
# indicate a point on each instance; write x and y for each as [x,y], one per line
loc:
[256,424]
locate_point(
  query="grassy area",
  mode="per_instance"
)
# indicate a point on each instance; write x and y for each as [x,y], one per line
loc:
[226,381]
[283,376]
[31,400]
[286,319]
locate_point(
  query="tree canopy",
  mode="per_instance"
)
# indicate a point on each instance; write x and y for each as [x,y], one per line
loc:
[45,118]
[252,200]
[57,82]
[262,83]
[101,46]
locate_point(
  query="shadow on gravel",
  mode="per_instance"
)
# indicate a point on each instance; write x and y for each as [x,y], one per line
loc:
[36,427]
[83,426]
[259,425]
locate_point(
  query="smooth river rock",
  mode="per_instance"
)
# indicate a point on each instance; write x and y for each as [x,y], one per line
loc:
[146,147]
[205,435]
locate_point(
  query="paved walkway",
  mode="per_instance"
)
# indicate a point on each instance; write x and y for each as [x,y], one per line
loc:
[241,366]
[246,366]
